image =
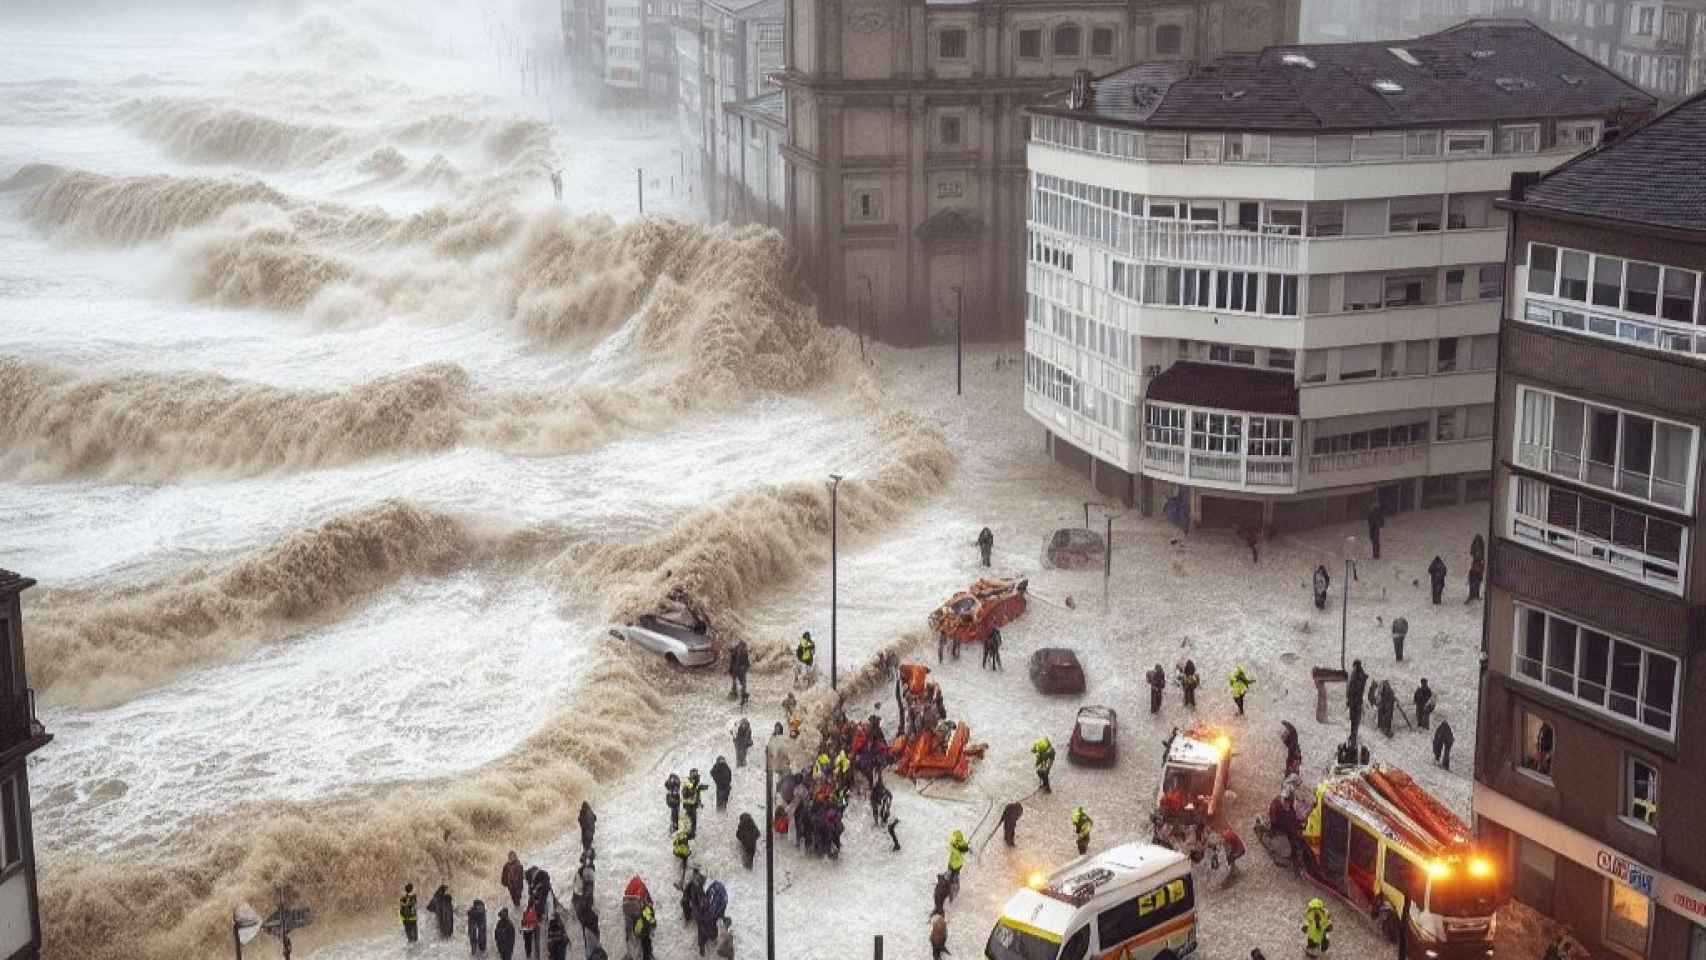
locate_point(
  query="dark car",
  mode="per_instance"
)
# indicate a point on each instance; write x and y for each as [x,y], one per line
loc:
[1057,670]
[1095,737]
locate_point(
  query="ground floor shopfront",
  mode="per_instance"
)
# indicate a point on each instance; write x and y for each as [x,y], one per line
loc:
[1613,903]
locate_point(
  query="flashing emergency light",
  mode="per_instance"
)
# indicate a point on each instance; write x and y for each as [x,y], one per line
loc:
[1036,880]
[1223,743]
[1439,870]
[1479,867]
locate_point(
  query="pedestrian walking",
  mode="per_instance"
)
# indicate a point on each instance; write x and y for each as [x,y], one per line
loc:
[530,931]
[938,937]
[943,890]
[1081,824]
[957,850]
[894,822]
[1317,923]
[477,927]
[746,834]
[1320,582]
[644,925]
[682,847]
[1436,578]
[1043,751]
[985,544]
[510,876]
[992,649]
[503,934]
[1157,679]
[723,778]
[1424,700]
[588,824]
[672,799]
[740,662]
[1240,684]
[1354,689]
[1010,815]
[1376,520]
[406,911]
[743,741]
[1385,707]
[1400,630]
[1188,683]
[443,909]
[1443,739]
[1477,571]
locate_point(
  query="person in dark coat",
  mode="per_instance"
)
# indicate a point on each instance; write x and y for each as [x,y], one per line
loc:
[1478,549]
[1424,700]
[882,800]
[672,799]
[1010,820]
[587,876]
[1355,686]
[944,889]
[1443,739]
[743,741]
[589,825]
[1477,570]
[1376,520]
[985,544]
[512,878]
[444,910]
[557,939]
[1386,707]
[1436,577]
[504,934]
[740,662]
[723,778]
[1157,679]
[477,927]
[692,894]
[1400,630]
[746,834]
[1320,582]
[1188,682]
[1293,751]
[992,649]
[938,936]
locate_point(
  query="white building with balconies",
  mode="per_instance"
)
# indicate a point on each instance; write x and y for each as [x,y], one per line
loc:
[1270,284]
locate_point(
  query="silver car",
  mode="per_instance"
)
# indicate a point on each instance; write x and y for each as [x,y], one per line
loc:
[682,644]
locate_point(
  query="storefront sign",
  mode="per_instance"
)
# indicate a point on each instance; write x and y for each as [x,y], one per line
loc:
[1668,891]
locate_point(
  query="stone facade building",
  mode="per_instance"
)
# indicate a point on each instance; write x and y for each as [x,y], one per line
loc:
[906,149]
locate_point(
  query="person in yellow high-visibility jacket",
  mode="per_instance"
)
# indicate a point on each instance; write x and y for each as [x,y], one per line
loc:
[957,850]
[804,653]
[1240,683]
[1316,925]
[683,848]
[1044,753]
[1081,824]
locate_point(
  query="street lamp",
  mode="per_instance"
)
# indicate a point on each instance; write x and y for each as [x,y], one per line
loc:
[834,521]
[770,847]
[959,306]
[1345,604]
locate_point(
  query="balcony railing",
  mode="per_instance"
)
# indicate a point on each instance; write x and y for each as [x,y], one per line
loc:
[1650,332]
[1599,533]
[1166,459]
[1571,466]
[1183,241]
[1271,472]
[1224,467]
[1220,467]
[1362,459]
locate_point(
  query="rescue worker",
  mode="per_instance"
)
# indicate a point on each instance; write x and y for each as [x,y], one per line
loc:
[1386,707]
[692,795]
[1376,520]
[843,766]
[944,889]
[1355,686]
[1320,582]
[477,927]
[746,834]
[1424,700]
[511,878]
[743,741]
[1044,753]
[588,824]
[1400,630]
[1157,679]
[443,909]
[1436,577]
[1010,820]
[503,934]
[957,850]
[1316,925]
[406,912]
[804,652]
[672,797]
[1443,739]
[1081,824]
[740,662]
[723,777]
[938,937]
[644,924]
[1188,682]
[1240,684]
[985,544]
[682,847]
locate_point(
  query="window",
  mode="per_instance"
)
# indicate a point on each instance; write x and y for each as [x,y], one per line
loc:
[1445,425]
[1446,355]
[951,44]
[1281,295]
[1101,42]
[1123,921]
[1641,792]
[1068,40]
[1453,287]
[1282,359]
[1644,21]
[1492,285]
[1217,432]
[1478,422]
[1270,437]
[1573,278]
[1314,366]
[1169,39]
[1578,135]
[1599,533]
[867,205]
[1203,146]
[1404,875]
[1030,44]
[950,130]
[1237,291]
[1421,143]
[1414,214]
[1404,291]
[1360,362]
[1519,139]
[1467,143]
[1077,946]
[1612,675]
[1628,914]
[1164,425]
[1484,351]
[1542,268]
[1537,744]
[1605,447]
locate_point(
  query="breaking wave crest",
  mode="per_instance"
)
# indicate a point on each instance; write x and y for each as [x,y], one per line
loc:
[201,132]
[126,210]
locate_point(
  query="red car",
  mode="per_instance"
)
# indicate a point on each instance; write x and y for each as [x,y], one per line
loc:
[1095,737]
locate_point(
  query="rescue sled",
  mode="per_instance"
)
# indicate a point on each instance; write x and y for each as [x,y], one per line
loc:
[930,755]
[969,615]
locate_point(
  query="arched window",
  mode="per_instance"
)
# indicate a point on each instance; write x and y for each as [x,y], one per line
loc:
[1068,40]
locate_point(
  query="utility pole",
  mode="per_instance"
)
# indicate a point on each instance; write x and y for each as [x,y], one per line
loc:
[959,304]
[640,188]
[834,522]
[1107,561]
[769,854]
[1345,602]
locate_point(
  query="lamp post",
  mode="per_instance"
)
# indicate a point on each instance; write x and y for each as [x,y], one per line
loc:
[1345,604]
[959,306]
[834,523]
[769,851]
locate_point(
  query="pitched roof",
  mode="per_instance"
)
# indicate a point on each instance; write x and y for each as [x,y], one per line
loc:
[1224,387]
[1649,176]
[11,583]
[1476,72]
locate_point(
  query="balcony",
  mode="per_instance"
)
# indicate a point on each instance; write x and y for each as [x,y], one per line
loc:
[1599,534]
[1366,459]
[1650,332]
[1219,469]
[1571,466]
[1185,242]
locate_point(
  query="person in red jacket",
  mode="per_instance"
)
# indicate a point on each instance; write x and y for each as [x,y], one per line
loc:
[512,878]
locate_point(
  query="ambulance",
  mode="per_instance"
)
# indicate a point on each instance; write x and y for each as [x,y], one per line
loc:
[1135,901]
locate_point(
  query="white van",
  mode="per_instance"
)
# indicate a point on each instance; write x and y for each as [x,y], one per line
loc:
[1133,901]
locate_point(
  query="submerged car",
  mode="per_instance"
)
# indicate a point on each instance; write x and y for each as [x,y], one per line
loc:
[1095,737]
[686,644]
[1057,670]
